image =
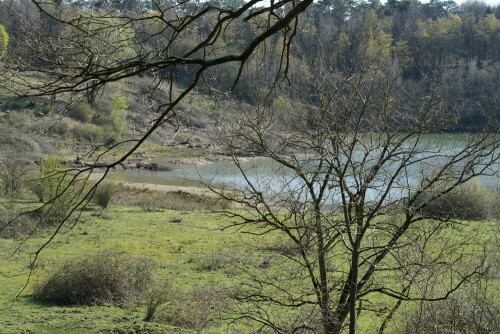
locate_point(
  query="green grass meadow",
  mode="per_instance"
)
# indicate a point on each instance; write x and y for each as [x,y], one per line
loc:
[188,249]
[193,256]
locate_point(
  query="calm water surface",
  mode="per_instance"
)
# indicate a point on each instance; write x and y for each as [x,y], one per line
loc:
[267,176]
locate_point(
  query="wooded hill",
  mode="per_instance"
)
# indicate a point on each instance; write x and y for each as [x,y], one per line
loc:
[448,50]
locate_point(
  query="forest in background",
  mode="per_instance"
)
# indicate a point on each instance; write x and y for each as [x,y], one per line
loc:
[449,50]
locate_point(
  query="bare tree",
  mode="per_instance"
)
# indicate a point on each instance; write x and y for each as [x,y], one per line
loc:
[351,170]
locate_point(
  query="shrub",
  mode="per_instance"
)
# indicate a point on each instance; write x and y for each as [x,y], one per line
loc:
[59,129]
[13,225]
[105,277]
[473,312]
[104,193]
[13,170]
[4,40]
[465,202]
[155,297]
[201,308]
[82,112]
[46,183]
[91,133]
[114,117]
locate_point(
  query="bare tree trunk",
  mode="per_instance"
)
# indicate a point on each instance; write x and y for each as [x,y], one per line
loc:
[325,295]
[353,291]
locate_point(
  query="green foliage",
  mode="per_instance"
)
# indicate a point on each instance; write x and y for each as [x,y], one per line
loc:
[91,133]
[113,118]
[104,193]
[59,129]
[45,181]
[280,103]
[118,111]
[155,297]
[4,40]
[375,44]
[437,38]
[48,183]
[82,112]
[105,277]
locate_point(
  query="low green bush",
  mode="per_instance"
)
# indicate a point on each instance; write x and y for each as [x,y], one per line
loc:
[113,116]
[4,40]
[104,193]
[106,277]
[82,112]
[91,133]
[59,129]
[47,182]
[155,297]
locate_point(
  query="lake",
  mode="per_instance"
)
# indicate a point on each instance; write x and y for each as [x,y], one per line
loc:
[272,179]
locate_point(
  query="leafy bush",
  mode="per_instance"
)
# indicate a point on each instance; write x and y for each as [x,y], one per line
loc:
[47,183]
[104,193]
[82,112]
[105,277]
[114,117]
[4,40]
[59,129]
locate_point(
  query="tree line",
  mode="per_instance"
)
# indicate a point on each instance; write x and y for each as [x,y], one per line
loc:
[445,45]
